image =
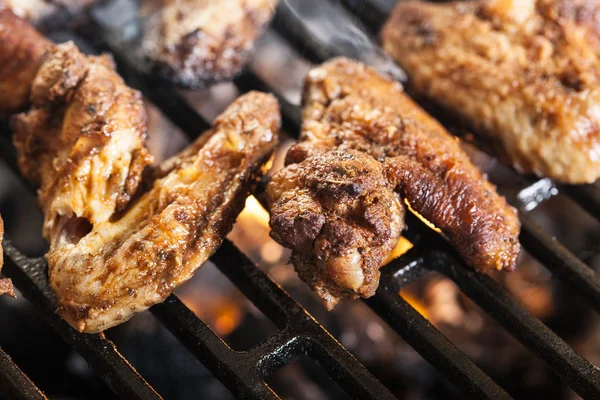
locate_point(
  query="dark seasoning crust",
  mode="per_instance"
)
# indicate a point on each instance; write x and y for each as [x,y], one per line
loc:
[349,107]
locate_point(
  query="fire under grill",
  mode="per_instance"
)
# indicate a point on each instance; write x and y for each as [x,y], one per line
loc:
[244,372]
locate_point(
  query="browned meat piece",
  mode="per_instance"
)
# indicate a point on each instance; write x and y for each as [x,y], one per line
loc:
[49,12]
[126,266]
[199,42]
[348,106]
[6,286]
[524,72]
[341,218]
[83,142]
[21,51]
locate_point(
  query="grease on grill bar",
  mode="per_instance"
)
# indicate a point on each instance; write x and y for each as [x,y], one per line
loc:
[299,332]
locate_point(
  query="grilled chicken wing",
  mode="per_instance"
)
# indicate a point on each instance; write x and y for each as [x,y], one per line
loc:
[341,218]
[83,143]
[6,286]
[126,266]
[198,42]
[348,106]
[21,51]
[524,72]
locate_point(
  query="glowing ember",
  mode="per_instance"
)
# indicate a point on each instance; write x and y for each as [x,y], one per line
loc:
[401,248]
[415,303]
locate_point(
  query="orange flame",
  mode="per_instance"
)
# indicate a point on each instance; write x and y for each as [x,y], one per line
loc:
[415,303]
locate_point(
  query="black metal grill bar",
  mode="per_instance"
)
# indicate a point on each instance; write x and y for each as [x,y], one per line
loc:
[30,277]
[563,264]
[372,13]
[244,372]
[489,295]
[424,337]
[14,384]
[587,196]
[261,290]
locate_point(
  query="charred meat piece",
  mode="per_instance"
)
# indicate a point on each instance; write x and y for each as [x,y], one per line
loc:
[525,72]
[21,52]
[341,218]
[49,13]
[350,107]
[194,43]
[6,286]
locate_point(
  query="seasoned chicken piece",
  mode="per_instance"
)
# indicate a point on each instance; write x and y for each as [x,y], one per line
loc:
[21,51]
[524,72]
[6,286]
[348,106]
[341,218]
[49,12]
[126,266]
[198,42]
[83,142]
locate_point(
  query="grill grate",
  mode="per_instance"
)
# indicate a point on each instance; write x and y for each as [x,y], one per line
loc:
[15,383]
[298,332]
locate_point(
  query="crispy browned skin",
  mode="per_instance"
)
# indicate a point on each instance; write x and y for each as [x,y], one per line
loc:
[198,42]
[6,286]
[349,106]
[524,72]
[83,142]
[341,218]
[21,51]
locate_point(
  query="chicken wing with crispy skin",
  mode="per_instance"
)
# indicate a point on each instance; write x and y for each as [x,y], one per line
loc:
[341,218]
[349,107]
[527,73]
[21,52]
[6,286]
[83,142]
[126,266]
[197,42]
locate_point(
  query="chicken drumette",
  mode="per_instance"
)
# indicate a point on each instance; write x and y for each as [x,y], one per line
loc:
[334,207]
[526,73]
[340,216]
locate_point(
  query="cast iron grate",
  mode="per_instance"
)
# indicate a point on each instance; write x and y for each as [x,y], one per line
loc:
[298,332]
